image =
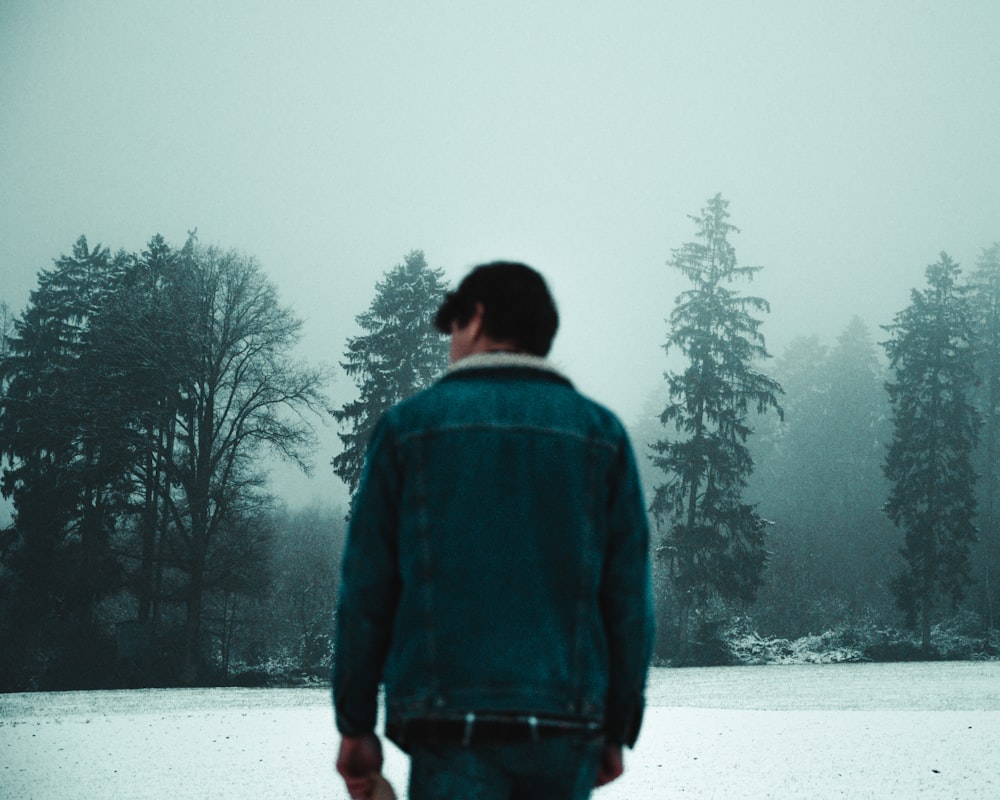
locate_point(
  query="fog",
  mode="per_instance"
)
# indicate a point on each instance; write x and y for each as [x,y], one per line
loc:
[854,142]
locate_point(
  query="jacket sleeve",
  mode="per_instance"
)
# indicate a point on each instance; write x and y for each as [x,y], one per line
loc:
[369,589]
[626,601]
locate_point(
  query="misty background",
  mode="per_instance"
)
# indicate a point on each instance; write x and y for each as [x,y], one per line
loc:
[329,139]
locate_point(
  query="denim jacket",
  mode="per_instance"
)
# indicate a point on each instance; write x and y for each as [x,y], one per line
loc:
[497,558]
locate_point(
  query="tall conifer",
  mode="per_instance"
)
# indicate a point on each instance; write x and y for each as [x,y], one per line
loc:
[986,309]
[932,498]
[399,354]
[713,539]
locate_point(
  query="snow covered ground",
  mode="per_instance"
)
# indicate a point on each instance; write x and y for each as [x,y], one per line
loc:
[851,730]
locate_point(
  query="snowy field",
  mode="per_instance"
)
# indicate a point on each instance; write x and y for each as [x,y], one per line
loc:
[852,730]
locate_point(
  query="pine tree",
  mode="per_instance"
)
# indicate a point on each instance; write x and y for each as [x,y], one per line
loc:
[932,495]
[144,336]
[60,422]
[66,451]
[986,309]
[399,354]
[714,539]
[6,328]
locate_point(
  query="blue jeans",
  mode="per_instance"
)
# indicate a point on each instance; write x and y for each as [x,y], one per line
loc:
[561,768]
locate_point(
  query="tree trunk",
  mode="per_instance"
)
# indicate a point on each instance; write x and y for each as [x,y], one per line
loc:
[925,623]
[229,605]
[150,503]
[164,459]
[682,629]
[191,663]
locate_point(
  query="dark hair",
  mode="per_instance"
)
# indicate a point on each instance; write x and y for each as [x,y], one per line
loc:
[517,306]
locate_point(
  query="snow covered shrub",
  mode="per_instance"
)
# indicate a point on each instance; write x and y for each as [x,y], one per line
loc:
[316,648]
[278,669]
[736,641]
[829,647]
[963,637]
[748,647]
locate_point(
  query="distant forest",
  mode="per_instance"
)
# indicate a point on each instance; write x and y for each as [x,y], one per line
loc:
[835,502]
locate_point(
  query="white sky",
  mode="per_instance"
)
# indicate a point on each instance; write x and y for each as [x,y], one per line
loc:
[854,140]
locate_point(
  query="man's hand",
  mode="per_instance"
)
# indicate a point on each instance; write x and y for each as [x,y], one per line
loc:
[611,765]
[359,762]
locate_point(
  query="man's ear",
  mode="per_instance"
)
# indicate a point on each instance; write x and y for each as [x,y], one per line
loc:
[477,322]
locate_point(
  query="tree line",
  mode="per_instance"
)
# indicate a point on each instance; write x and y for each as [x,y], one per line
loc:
[866,493]
[837,488]
[140,392]
[800,528]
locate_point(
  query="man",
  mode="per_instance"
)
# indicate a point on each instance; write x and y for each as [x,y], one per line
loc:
[496,574]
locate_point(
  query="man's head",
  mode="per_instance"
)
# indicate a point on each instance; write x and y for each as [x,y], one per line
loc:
[504,302]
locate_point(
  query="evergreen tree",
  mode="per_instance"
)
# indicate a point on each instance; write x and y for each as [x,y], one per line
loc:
[399,354]
[147,330]
[932,497]
[714,539]
[67,454]
[6,328]
[986,308]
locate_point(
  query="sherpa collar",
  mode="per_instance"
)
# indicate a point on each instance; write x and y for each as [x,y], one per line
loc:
[505,359]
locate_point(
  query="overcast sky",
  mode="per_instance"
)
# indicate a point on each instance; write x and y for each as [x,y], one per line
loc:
[854,141]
